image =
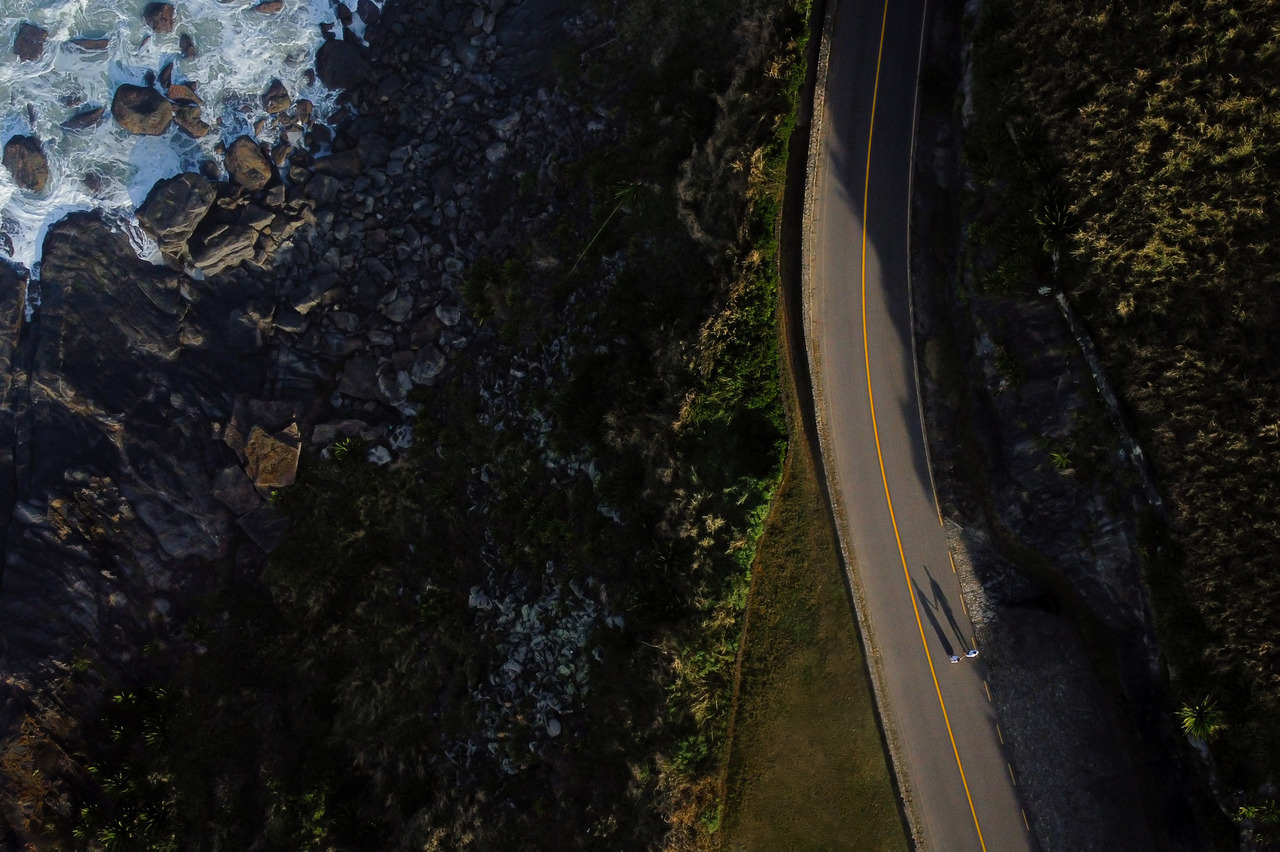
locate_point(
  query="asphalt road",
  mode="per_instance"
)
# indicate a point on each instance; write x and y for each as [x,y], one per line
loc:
[961,793]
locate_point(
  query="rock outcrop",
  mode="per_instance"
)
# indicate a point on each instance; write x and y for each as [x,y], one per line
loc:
[24,158]
[115,401]
[174,208]
[146,410]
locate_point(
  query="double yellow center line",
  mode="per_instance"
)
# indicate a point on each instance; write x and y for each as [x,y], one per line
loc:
[866,352]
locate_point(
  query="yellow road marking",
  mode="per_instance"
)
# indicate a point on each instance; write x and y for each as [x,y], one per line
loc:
[1024,820]
[875,428]
[988,689]
[953,564]
[1009,766]
[1000,735]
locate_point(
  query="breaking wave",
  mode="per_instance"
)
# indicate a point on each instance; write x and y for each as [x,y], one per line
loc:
[93,46]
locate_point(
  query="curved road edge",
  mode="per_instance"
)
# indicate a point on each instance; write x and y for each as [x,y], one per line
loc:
[874,660]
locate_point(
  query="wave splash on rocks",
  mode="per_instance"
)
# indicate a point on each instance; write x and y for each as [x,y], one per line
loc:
[100,99]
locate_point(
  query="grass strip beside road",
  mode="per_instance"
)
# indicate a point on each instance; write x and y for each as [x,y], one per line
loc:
[806,765]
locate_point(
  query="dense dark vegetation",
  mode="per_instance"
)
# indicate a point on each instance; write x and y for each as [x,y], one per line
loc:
[1133,149]
[344,702]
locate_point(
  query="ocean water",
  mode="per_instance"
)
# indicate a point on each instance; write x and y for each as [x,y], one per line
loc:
[238,53]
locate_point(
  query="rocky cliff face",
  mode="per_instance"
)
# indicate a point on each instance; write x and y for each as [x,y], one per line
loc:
[122,489]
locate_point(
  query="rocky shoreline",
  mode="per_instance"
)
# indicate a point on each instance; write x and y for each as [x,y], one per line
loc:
[151,411]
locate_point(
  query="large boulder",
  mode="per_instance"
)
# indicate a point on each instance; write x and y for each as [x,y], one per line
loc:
[141,110]
[25,160]
[173,209]
[29,43]
[159,16]
[276,98]
[247,165]
[341,64]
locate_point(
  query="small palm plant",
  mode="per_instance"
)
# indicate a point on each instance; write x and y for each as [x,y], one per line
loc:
[1202,720]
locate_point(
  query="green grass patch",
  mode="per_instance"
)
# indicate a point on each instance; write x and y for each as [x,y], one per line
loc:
[806,768]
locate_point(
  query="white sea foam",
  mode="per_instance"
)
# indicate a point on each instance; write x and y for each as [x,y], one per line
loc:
[239,52]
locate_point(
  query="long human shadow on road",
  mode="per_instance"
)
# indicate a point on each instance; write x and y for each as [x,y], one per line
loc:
[927,606]
[940,600]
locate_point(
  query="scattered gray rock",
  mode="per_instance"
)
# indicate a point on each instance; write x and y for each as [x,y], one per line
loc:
[427,364]
[496,152]
[398,309]
[328,433]
[448,314]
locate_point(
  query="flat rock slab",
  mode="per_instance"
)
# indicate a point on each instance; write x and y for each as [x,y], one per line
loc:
[272,460]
